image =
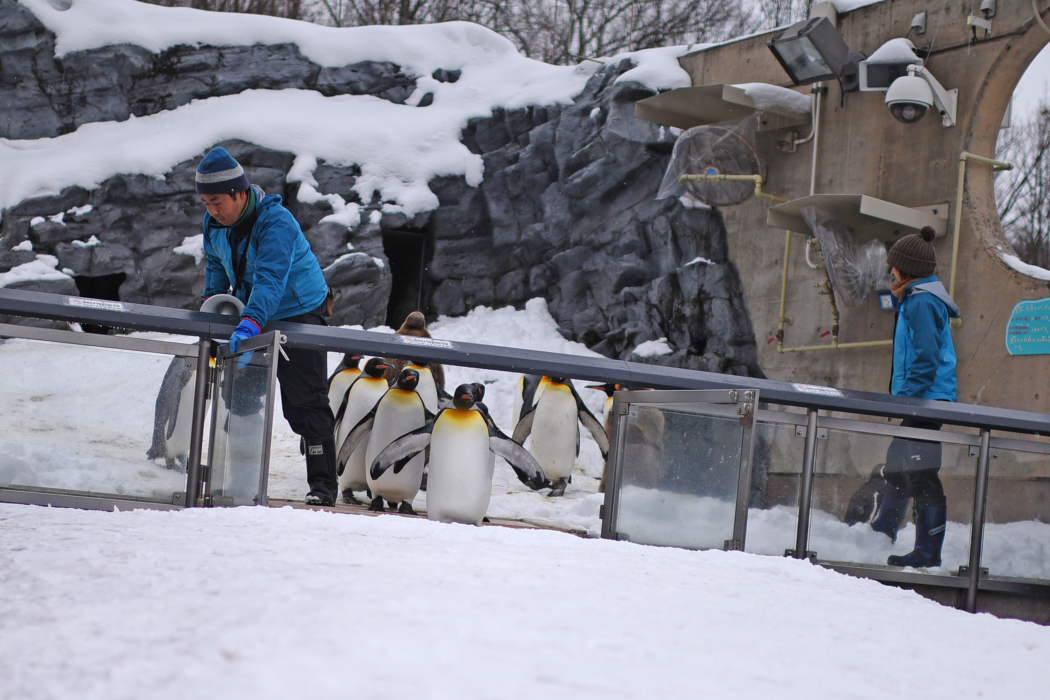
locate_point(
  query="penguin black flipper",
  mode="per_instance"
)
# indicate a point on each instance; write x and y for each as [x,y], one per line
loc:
[525,466]
[530,383]
[400,451]
[346,400]
[596,429]
[524,426]
[353,439]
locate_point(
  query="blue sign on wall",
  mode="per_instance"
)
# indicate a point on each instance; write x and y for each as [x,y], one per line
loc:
[1028,330]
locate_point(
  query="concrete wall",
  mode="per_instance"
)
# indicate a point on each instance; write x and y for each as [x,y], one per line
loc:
[863,150]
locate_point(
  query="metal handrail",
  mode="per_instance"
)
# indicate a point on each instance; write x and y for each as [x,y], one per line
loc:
[598,369]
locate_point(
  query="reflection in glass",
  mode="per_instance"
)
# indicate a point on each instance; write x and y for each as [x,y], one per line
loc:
[679,476]
[848,486]
[1017,521]
[58,431]
[237,455]
[772,516]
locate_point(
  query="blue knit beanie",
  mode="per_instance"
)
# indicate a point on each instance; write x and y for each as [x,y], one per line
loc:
[220,173]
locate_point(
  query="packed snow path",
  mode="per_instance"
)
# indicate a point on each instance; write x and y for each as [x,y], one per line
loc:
[275,603]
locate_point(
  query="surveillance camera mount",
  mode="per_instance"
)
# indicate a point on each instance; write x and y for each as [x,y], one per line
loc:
[946,101]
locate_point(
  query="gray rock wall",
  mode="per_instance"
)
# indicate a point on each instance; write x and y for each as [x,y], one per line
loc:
[566,209]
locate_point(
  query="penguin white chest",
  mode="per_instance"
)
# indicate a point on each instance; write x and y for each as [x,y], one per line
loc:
[340,383]
[460,483]
[555,431]
[364,395]
[398,413]
[427,388]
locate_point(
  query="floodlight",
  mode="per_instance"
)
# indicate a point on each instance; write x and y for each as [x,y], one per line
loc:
[810,51]
[910,96]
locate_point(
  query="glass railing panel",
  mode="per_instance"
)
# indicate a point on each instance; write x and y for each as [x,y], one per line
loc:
[1017,520]
[239,451]
[772,516]
[125,437]
[680,468]
[862,514]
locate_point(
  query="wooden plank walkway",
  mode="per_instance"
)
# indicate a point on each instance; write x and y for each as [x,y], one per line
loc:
[344,508]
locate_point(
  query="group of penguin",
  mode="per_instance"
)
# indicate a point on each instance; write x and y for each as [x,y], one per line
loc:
[387,432]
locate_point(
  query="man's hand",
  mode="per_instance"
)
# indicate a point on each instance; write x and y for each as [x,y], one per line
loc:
[247,328]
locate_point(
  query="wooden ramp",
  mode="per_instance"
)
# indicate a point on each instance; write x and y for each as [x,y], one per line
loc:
[363,510]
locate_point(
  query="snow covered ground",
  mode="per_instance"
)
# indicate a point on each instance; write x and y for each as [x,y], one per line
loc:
[275,603]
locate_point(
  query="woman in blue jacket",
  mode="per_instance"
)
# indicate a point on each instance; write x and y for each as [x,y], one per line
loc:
[924,368]
[257,252]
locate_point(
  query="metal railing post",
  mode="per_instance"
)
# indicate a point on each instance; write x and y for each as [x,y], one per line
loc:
[980,503]
[200,394]
[805,492]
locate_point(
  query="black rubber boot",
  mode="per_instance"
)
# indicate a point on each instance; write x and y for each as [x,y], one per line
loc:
[930,523]
[320,471]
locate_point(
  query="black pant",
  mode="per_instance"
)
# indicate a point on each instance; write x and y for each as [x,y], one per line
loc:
[304,385]
[912,467]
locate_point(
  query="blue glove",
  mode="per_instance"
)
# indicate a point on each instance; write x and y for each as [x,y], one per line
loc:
[247,328]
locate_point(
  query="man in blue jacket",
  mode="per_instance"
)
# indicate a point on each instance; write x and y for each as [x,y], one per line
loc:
[923,367]
[257,252]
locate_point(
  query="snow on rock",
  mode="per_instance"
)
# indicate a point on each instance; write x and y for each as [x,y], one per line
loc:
[699,261]
[1039,273]
[895,51]
[766,96]
[89,243]
[40,270]
[25,246]
[192,245]
[400,147]
[269,603]
[654,348]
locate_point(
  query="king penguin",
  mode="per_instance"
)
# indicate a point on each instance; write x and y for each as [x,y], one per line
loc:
[399,412]
[463,445]
[554,423]
[361,397]
[340,381]
[433,396]
[530,388]
[173,415]
[609,389]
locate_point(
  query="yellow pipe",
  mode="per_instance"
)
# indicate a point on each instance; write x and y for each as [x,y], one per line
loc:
[840,346]
[757,179]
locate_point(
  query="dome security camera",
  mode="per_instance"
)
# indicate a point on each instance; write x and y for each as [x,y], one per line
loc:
[910,96]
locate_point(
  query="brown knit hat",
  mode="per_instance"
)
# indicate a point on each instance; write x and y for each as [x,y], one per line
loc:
[914,255]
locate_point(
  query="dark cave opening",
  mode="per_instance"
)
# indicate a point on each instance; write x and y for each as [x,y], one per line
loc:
[99,287]
[405,251]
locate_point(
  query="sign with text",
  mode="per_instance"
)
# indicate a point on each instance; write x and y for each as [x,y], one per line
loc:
[1028,330]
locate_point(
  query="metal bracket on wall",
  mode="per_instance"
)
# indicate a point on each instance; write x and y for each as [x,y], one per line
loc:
[731,546]
[975,451]
[811,556]
[178,498]
[801,430]
[965,571]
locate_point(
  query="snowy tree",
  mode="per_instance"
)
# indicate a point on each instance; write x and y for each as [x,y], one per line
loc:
[1023,193]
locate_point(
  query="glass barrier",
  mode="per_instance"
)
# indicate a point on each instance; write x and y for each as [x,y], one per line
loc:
[127,437]
[868,490]
[772,516]
[679,474]
[1017,521]
[241,422]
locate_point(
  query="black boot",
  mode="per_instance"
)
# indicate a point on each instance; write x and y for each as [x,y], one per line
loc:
[930,523]
[320,471]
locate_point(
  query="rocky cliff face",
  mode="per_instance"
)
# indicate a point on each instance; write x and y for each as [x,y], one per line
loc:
[565,211]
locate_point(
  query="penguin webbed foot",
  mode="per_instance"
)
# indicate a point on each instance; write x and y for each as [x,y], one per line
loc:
[558,487]
[376,506]
[406,509]
[350,499]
